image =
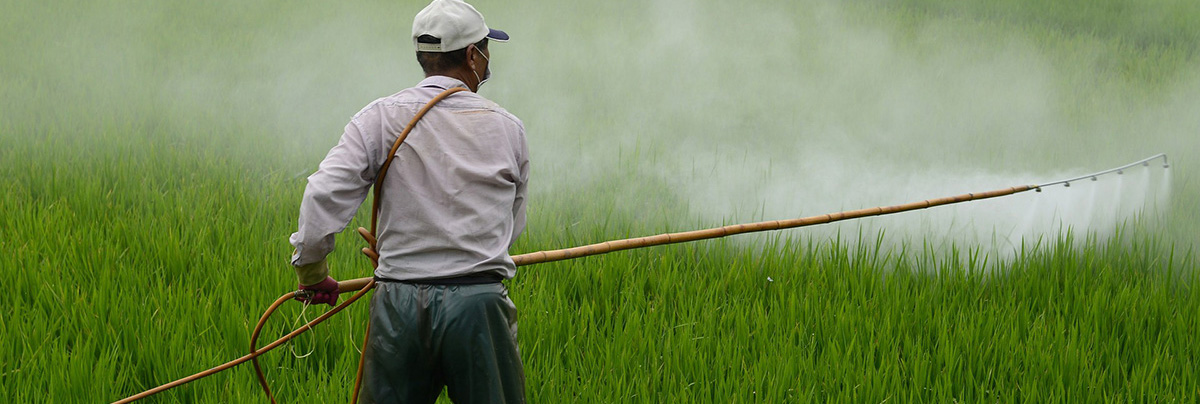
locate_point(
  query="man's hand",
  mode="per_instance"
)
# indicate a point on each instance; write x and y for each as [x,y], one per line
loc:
[325,291]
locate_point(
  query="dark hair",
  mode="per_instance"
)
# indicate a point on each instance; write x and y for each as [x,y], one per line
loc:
[440,62]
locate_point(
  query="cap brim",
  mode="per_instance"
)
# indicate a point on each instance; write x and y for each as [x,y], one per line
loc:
[497,35]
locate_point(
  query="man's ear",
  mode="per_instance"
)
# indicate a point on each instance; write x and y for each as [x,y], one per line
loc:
[471,57]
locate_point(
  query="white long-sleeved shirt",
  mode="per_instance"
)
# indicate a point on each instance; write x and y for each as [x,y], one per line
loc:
[453,199]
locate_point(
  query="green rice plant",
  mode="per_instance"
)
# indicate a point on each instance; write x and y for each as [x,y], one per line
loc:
[152,158]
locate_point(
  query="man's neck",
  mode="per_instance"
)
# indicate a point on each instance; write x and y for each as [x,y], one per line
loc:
[462,75]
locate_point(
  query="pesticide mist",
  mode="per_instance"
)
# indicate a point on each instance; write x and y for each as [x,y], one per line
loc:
[690,115]
[818,107]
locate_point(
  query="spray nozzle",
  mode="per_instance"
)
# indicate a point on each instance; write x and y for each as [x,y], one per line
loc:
[1118,170]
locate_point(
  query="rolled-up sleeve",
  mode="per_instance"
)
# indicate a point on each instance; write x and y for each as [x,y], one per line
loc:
[333,195]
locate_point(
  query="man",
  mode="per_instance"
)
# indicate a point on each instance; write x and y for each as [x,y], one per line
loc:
[453,203]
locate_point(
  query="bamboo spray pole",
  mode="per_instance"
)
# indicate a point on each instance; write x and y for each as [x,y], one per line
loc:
[361,285]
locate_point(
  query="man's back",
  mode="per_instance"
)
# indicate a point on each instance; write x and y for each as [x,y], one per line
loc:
[454,195]
[453,199]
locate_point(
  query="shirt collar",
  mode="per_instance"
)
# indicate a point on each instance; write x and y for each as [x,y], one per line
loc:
[442,82]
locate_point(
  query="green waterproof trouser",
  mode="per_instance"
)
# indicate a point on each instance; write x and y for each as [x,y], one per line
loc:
[424,337]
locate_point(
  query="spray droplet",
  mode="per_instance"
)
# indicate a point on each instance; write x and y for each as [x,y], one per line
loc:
[1093,178]
[1067,184]
[1119,172]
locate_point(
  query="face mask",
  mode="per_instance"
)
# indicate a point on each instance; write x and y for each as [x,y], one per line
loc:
[487,73]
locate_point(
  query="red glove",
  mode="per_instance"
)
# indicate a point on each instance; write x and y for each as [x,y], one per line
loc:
[325,291]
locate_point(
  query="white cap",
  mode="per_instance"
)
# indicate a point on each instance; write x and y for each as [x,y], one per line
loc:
[455,22]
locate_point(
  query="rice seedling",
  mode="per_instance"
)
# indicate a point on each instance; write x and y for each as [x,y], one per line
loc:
[152,159]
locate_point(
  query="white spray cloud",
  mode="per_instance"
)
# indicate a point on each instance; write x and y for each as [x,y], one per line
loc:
[771,111]
[748,111]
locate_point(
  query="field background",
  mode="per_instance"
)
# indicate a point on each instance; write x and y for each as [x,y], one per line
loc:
[152,157]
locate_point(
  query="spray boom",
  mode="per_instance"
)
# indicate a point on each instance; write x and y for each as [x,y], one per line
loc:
[1119,170]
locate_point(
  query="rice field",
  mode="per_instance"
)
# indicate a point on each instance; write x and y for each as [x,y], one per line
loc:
[153,155]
